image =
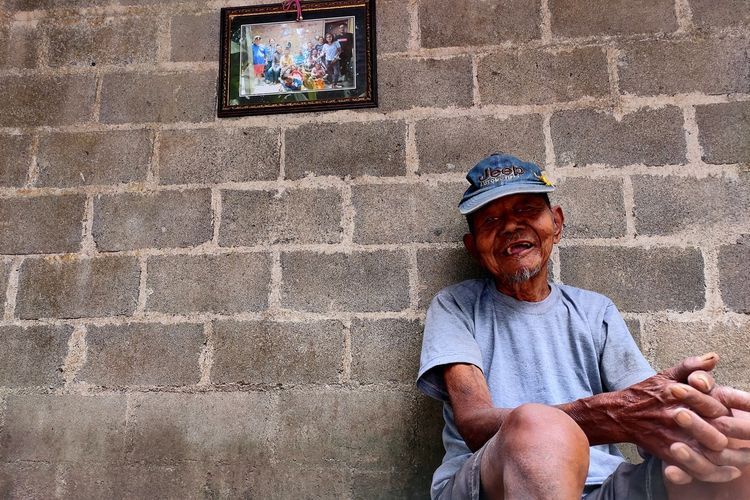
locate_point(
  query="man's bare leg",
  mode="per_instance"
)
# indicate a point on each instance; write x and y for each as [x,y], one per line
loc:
[539,453]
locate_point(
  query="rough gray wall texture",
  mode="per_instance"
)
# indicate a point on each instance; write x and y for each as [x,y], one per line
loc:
[204,308]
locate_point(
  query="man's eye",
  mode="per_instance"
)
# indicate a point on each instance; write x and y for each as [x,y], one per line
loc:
[488,220]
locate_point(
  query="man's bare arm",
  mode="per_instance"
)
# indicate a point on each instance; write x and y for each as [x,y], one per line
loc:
[476,418]
[644,414]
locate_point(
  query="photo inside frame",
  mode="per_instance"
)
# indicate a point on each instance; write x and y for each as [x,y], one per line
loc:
[272,62]
[297,57]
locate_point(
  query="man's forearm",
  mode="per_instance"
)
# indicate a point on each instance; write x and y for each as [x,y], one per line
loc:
[596,416]
[478,426]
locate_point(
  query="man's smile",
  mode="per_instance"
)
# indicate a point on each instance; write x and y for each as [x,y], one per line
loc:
[518,248]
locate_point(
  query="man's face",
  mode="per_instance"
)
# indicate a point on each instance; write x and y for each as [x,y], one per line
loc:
[514,235]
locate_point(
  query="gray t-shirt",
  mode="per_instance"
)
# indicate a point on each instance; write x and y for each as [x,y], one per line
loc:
[571,345]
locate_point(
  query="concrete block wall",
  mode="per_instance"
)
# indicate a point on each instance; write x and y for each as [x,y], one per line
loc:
[205,308]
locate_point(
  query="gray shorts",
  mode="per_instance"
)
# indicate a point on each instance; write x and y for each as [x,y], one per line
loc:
[628,482]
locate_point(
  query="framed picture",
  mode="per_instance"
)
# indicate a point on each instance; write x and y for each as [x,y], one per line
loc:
[273,63]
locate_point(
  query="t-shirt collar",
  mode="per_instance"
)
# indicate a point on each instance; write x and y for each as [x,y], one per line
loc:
[540,307]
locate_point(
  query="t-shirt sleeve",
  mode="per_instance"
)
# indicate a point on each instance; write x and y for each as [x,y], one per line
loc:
[448,338]
[622,363]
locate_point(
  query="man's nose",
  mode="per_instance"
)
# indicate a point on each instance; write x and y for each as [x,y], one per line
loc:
[511,224]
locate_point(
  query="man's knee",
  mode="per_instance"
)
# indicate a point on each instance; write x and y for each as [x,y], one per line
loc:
[537,449]
[534,426]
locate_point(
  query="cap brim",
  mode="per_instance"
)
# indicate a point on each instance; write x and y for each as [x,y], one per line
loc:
[476,202]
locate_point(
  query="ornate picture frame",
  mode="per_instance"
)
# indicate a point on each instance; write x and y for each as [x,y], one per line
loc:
[271,62]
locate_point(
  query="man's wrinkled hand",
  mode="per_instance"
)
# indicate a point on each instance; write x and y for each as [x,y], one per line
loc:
[710,463]
[673,420]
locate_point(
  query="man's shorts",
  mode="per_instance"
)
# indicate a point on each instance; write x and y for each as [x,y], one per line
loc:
[258,69]
[628,482]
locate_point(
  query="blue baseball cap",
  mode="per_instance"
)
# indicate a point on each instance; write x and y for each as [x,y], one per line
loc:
[499,175]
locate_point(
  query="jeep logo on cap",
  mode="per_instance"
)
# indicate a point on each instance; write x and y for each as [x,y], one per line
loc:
[490,175]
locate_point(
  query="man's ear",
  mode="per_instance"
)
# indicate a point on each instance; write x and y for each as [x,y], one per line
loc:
[471,245]
[558,219]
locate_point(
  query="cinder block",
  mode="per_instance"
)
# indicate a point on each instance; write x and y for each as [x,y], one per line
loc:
[636,279]
[5,267]
[27,101]
[142,354]
[710,14]
[593,208]
[612,17]
[438,268]
[27,5]
[359,281]
[413,83]
[195,37]
[385,350]
[222,284]
[218,155]
[350,149]
[713,66]
[163,98]
[671,341]
[27,480]
[408,484]
[15,159]
[161,219]
[540,77]
[426,419]
[20,44]
[290,479]
[457,144]
[291,216]
[106,40]
[73,159]
[354,427]
[734,276]
[33,356]
[634,327]
[70,428]
[75,288]
[161,2]
[180,481]
[724,130]
[218,427]
[393,213]
[41,224]
[393,27]
[475,22]
[249,352]
[651,137]
[681,204]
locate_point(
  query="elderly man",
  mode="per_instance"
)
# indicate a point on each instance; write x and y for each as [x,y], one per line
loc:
[539,379]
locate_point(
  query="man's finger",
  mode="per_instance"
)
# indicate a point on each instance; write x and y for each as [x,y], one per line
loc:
[733,427]
[732,398]
[702,380]
[700,467]
[738,457]
[703,432]
[675,475]
[702,404]
[680,372]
